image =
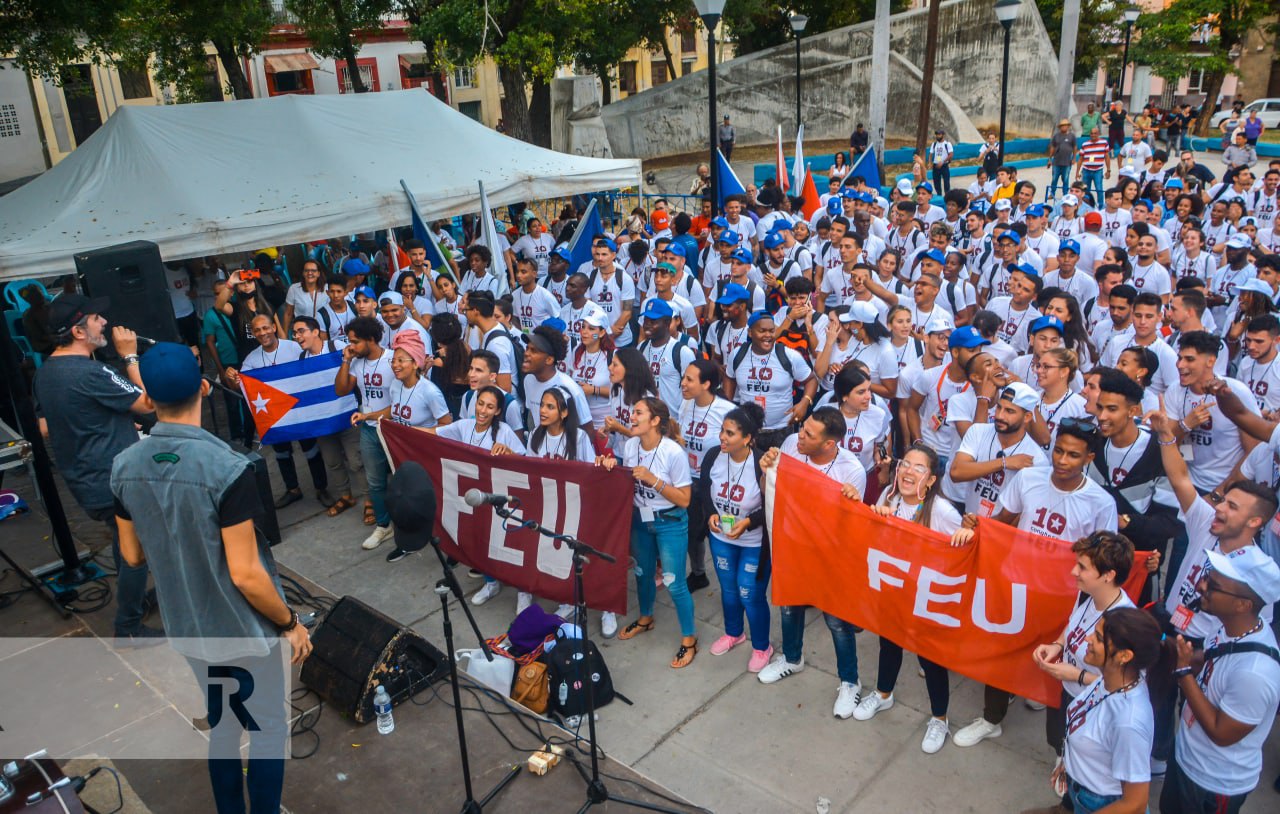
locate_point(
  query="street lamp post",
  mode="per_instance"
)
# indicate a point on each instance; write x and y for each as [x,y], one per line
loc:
[1131,14]
[1006,13]
[798,22]
[710,12]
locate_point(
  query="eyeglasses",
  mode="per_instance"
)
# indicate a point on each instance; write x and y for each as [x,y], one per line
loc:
[919,469]
[1210,587]
[1038,366]
[1084,425]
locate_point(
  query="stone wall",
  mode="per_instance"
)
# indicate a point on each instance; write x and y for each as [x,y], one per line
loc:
[758,90]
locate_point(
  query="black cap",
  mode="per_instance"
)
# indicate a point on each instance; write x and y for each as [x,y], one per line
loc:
[67,310]
[411,500]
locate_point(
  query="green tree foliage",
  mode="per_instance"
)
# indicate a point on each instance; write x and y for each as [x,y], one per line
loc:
[44,35]
[1101,28]
[336,28]
[758,24]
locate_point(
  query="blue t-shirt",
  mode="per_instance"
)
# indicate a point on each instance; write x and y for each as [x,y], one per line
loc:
[690,244]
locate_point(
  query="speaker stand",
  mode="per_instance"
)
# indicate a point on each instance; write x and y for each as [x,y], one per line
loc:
[449,585]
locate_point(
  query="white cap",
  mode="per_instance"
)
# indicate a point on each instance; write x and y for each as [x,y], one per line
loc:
[905,187]
[1257,286]
[939,323]
[1070,200]
[1002,204]
[1022,395]
[595,319]
[882,202]
[1128,171]
[860,311]
[1239,241]
[1252,566]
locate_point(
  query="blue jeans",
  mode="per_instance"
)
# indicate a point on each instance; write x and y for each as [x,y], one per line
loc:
[1060,174]
[1093,183]
[668,538]
[131,581]
[742,590]
[1087,802]
[376,471]
[843,639]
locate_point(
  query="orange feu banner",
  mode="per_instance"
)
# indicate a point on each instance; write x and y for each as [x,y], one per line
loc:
[979,610]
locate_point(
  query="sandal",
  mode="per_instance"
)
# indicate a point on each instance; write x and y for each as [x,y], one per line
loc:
[635,629]
[341,505]
[684,656]
[369,517]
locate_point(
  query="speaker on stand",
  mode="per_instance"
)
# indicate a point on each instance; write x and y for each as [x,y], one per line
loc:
[132,276]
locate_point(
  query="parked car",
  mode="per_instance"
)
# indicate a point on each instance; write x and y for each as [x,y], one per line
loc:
[1268,111]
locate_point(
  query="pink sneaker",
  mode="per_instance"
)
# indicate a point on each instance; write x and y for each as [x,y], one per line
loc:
[759,658]
[726,643]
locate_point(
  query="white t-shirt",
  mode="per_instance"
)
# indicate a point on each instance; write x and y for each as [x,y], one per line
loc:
[844,468]
[1013,323]
[963,292]
[1262,379]
[1134,155]
[982,443]
[464,430]
[1084,618]
[726,339]
[556,447]
[335,323]
[179,285]
[736,492]
[592,369]
[878,357]
[1045,246]
[533,309]
[1109,737]
[498,341]
[1114,225]
[1154,278]
[1079,285]
[409,324]
[1044,509]
[943,517]
[1245,687]
[862,433]
[667,363]
[286,351]
[534,389]
[1070,405]
[373,382]
[422,405]
[700,427]
[666,461]
[614,296]
[766,382]
[538,250]
[937,388]
[556,287]
[485,281]
[305,303]
[1216,446]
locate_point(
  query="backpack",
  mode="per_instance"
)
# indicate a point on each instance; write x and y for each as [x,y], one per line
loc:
[517,378]
[779,351]
[568,664]
[1227,648]
[951,295]
[773,298]
[677,341]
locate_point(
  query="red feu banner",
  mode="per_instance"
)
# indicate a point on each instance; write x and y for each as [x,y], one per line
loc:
[577,499]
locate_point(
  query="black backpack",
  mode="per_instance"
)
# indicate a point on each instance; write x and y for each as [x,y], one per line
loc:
[779,352]
[517,378]
[569,664]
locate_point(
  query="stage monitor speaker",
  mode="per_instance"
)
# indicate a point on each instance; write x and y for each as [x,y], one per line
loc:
[268,523]
[356,648]
[132,276]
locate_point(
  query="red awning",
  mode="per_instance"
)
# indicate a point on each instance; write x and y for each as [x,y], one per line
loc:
[282,63]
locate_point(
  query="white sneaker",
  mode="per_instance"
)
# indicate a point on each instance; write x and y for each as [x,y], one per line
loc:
[779,669]
[609,624]
[565,612]
[935,736]
[846,699]
[870,704]
[523,600]
[489,591]
[1035,705]
[376,537]
[977,732]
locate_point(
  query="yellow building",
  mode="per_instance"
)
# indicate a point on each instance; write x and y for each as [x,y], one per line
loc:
[642,68]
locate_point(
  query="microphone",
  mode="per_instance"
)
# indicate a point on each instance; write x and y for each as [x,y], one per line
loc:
[474,497]
[145,339]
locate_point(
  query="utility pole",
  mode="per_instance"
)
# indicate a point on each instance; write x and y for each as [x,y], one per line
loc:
[1067,57]
[926,82]
[879,102]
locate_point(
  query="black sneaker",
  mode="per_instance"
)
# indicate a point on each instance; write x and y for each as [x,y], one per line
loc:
[149,602]
[397,554]
[697,582]
[289,497]
[141,636]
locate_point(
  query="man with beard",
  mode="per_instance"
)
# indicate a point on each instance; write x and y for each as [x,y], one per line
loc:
[991,453]
[89,408]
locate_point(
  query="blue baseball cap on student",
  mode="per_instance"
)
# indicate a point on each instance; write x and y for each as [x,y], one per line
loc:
[1036,210]
[604,241]
[353,266]
[780,225]
[757,316]
[1025,268]
[967,337]
[729,236]
[1048,321]
[1070,245]
[850,193]
[833,205]
[364,291]
[773,240]
[925,185]
[934,255]
[657,309]
[674,248]
[1009,234]
[733,293]
[563,253]
[555,322]
[743,255]
[720,221]
[170,373]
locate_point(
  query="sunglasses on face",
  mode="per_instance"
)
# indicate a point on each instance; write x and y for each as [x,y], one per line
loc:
[1084,425]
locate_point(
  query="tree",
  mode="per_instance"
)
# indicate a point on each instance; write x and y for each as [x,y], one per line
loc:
[44,35]
[1164,43]
[335,28]
[1101,27]
[759,24]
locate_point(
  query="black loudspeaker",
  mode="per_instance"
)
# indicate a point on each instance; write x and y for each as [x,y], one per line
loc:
[132,275]
[268,523]
[356,648]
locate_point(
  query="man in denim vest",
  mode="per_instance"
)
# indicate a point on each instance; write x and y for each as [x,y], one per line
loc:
[185,504]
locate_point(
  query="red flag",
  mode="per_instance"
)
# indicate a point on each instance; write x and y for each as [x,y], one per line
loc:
[811,201]
[397,259]
[784,183]
[267,404]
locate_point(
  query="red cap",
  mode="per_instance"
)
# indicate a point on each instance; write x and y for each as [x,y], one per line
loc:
[660,220]
[1093,219]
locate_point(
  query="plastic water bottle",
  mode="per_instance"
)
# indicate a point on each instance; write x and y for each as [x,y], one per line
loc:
[563,694]
[382,707]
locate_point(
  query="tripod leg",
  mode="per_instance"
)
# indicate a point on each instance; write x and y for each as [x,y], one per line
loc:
[470,804]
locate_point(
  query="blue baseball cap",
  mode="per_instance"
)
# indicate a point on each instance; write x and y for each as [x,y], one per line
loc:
[353,266]
[980,207]
[833,205]
[1145,202]
[1070,245]
[743,255]
[563,253]
[934,255]
[925,185]
[850,193]
[729,236]
[1025,268]
[1009,234]
[1036,210]
[1048,321]
[780,225]
[604,241]
[773,240]
[756,316]
[364,291]
[1174,183]
[170,373]
[555,322]
[733,293]
[720,221]
[674,248]
[967,337]
[657,308]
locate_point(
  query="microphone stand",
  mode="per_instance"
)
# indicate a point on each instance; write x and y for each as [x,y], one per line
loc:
[445,586]
[597,792]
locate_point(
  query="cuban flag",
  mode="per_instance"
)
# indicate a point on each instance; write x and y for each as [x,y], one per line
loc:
[295,401]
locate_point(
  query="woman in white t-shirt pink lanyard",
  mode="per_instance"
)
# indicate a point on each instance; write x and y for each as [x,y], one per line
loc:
[659,521]
[1055,369]
[630,380]
[867,425]
[1110,725]
[589,367]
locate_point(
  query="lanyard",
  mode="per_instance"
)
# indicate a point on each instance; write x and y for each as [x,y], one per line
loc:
[938,389]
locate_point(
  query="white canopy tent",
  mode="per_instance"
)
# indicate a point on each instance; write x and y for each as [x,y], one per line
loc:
[219,177]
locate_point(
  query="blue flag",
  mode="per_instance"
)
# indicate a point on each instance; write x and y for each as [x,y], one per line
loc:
[867,168]
[435,255]
[729,183]
[580,244]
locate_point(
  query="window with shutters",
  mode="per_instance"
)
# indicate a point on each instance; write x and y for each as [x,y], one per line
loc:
[627,77]
[658,70]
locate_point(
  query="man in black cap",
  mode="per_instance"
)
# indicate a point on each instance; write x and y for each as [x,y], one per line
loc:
[186,502]
[89,408]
